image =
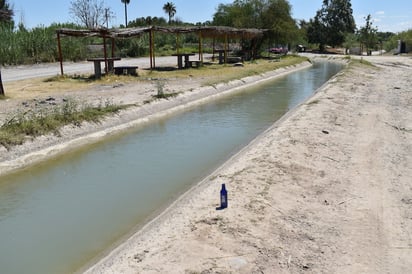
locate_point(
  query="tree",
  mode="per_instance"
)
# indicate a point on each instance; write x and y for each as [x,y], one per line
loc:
[126,2]
[170,9]
[90,13]
[278,19]
[351,40]
[368,35]
[6,15]
[273,15]
[331,23]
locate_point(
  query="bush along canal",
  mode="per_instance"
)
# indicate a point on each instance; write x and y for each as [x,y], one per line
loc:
[57,216]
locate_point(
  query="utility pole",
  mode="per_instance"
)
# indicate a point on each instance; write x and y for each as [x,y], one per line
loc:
[107,17]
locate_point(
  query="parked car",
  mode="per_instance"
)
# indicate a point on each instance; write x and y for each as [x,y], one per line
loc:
[300,48]
[279,50]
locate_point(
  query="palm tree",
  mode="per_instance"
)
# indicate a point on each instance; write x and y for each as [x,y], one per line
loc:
[170,9]
[126,2]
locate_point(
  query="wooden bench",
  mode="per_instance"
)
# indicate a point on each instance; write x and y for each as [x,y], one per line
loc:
[196,64]
[126,70]
[234,59]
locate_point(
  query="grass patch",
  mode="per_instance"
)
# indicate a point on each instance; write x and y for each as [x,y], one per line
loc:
[210,74]
[213,74]
[70,78]
[313,102]
[165,95]
[362,61]
[226,73]
[37,122]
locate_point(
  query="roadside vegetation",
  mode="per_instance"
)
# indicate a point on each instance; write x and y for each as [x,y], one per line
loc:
[43,120]
[22,45]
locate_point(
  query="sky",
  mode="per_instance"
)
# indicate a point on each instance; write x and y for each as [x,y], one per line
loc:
[392,16]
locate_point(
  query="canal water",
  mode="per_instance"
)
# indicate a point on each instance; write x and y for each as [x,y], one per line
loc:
[57,216]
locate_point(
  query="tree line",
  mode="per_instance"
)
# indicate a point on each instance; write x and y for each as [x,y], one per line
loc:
[332,25]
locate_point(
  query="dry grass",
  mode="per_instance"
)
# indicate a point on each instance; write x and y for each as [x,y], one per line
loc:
[208,75]
[44,120]
[213,74]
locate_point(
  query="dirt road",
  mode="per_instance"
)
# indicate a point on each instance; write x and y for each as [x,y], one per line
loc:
[15,73]
[325,190]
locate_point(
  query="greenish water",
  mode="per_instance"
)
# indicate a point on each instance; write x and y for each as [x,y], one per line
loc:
[57,216]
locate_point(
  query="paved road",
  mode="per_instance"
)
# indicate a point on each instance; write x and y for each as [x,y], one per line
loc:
[51,69]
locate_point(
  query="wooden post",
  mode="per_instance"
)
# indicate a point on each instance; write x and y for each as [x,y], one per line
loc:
[106,69]
[226,48]
[213,50]
[200,47]
[59,46]
[113,45]
[177,43]
[151,48]
[255,53]
[1,86]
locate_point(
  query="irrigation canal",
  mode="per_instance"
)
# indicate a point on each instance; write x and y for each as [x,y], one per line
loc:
[57,216]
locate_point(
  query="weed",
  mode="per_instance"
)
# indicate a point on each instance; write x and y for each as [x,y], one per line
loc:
[313,102]
[363,62]
[160,85]
[37,122]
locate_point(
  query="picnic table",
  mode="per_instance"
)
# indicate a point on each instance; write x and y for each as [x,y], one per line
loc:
[225,57]
[222,54]
[97,64]
[180,59]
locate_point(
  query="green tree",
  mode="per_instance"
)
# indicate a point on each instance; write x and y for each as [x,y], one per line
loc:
[6,15]
[170,9]
[351,40]
[126,2]
[331,23]
[278,19]
[368,35]
[273,15]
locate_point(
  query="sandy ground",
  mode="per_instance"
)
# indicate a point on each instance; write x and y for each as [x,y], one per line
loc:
[326,190]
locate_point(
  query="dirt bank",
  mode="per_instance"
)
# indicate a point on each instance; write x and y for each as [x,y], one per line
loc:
[190,89]
[325,190]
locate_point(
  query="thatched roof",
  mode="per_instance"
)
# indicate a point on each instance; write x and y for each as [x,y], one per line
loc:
[136,32]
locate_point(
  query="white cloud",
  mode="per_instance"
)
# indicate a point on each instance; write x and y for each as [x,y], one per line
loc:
[380,13]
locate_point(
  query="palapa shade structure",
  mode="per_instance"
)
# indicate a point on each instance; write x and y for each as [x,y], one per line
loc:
[202,31]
